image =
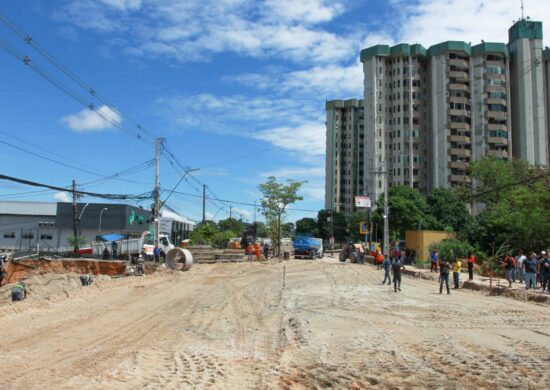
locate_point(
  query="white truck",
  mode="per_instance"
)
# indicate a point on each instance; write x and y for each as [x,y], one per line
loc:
[133,247]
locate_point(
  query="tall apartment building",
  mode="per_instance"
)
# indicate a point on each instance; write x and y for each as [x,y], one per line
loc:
[530,127]
[469,109]
[395,117]
[345,154]
[429,112]
[546,58]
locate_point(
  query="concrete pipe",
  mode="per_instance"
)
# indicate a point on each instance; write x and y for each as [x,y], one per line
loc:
[179,255]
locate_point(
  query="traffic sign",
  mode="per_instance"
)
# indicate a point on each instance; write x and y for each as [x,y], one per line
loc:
[362,201]
[364,228]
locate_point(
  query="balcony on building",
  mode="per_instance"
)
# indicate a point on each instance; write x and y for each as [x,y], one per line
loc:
[455,124]
[498,76]
[459,86]
[463,179]
[460,152]
[459,75]
[459,63]
[500,64]
[458,165]
[501,153]
[496,127]
[459,139]
[455,112]
[498,140]
[499,115]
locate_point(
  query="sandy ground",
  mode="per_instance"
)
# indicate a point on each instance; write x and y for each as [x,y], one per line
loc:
[248,326]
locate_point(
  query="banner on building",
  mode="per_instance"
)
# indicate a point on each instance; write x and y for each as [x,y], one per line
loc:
[165,225]
[362,201]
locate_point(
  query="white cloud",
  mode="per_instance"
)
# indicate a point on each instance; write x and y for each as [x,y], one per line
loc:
[88,120]
[62,197]
[433,21]
[296,172]
[308,138]
[246,214]
[191,30]
[314,192]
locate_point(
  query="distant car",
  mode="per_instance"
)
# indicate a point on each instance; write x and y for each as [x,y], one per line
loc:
[308,247]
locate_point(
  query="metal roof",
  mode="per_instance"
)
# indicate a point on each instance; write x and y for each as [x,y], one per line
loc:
[28,208]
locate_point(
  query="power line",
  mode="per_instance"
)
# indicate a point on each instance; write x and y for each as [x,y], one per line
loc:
[78,192]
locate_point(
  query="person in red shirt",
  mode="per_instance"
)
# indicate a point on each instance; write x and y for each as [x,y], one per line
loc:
[471,262]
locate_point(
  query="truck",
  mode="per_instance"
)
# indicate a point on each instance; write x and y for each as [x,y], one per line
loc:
[133,247]
[308,247]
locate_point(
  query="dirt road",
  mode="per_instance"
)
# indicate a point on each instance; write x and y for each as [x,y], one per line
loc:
[239,326]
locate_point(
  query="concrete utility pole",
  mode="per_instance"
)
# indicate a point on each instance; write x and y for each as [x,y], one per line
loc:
[386,248]
[156,206]
[230,211]
[75,222]
[203,203]
[411,131]
[254,211]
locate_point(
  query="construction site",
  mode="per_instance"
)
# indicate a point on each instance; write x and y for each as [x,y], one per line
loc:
[294,324]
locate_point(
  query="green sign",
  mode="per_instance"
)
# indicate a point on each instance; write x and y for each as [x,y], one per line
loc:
[152,230]
[132,217]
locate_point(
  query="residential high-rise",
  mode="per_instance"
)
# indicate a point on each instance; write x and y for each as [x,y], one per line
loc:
[395,87]
[529,125]
[345,154]
[429,112]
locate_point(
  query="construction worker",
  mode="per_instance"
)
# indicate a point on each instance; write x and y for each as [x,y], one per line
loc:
[86,280]
[257,250]
[266,250]
[140,269]
[250,251]
[2,268]
[114,249]
[19,292]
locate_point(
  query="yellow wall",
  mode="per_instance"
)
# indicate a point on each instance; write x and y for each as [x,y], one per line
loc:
[420,241]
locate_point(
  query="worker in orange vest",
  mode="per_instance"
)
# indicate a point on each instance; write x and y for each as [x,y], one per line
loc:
[250,251]
[257,250]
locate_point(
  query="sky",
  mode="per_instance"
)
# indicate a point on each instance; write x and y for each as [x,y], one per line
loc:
[236,87]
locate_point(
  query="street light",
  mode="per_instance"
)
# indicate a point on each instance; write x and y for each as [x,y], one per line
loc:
[100,214]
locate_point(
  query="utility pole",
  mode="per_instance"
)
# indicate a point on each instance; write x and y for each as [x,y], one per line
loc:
[75,222]
[254,211]
[386,247]
[156,206]
[203,203]
[411,131]
[230,211]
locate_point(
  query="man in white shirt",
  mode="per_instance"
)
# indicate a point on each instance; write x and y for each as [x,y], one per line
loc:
[519,266]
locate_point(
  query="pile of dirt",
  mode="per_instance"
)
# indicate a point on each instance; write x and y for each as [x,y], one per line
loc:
[17,270]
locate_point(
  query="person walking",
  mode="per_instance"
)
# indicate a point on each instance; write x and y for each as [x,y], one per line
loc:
[266,250]
[19,292]
[396,268]
[379,259]
[387,267]
[471,262]
[114,249]
[531,267]
[519,267]
[457,268]
[509,266]
[156,253]
[250,252]
[545,271]
[435,261]
[444,269]
[257,250]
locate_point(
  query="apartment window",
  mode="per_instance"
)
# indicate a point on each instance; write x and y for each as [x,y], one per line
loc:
[379,184]
[9,234]
[493,69]
[496,82]
[497,107]
[496,95]
[46,237]
[28,235]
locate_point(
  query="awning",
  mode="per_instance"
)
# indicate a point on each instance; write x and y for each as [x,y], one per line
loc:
[113,237]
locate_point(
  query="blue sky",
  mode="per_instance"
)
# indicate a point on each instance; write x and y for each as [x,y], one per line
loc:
[218,79]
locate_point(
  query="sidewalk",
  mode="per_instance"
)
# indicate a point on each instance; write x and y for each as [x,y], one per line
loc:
[481,283]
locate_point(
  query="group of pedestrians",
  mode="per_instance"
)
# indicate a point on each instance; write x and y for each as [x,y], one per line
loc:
[393,267]
[533,270]
[256,250]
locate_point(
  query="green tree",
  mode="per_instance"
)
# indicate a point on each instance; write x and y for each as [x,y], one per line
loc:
[449,249]
[516,199]
[221,239]
[446,209]
[276,198]
[407,211]
[261,229]
[325,227]
[231,224]
[204,233]
[307,225]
